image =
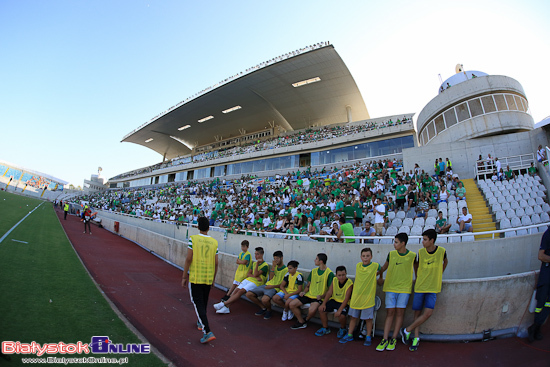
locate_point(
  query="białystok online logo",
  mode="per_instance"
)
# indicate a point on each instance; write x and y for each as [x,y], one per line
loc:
[98,345]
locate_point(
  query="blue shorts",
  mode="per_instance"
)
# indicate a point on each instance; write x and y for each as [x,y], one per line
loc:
[424,300]
[421,214]
[397,300]
[282,295]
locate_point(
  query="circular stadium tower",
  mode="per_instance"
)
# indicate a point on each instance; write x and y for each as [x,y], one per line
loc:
[472,104]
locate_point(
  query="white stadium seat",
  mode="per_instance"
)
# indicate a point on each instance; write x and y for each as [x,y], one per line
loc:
[405,229]
[515,222]
[510,234]
[391,231]
[419,222]
[526,220]
[499,215]
[535,219]
[397,223]
[430,221]
[408,222]
[505,223]
[522,232]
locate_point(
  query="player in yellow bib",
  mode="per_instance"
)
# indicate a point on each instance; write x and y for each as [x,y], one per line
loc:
[429,266]
[319,280]
[336,300]
[363,296]
[261,295]
[199,272]
[291,286]
[255,277]
[244,262]
[398,288]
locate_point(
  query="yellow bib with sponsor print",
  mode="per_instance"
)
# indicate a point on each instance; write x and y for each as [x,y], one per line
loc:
[364,287]
[318,285]
[430,271]
[243,269]
[339,294]
[400,272]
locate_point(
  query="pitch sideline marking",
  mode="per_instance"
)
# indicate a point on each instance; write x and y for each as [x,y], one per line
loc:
[18,223]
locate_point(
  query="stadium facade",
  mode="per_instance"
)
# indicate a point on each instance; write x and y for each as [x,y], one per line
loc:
[308,90]
[259,123]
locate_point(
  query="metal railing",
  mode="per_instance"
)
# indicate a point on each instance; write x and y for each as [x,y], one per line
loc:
[484,168]
[376,239]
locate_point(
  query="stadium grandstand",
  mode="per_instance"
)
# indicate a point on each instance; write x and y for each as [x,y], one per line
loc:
[280,152]
[29,182]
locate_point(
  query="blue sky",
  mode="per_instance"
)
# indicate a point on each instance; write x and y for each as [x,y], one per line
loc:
[76,76]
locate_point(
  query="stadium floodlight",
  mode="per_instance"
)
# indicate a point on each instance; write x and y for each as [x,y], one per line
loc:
[305,82]
[232,109]
[206,119]
[149,140]
[184,127]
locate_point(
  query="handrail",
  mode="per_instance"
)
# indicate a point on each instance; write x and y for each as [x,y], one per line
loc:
[486,168]
[220,229]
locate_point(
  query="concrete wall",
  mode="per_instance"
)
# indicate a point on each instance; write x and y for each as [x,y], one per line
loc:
[464,306]
[464,154]
[465,90]
[477,259]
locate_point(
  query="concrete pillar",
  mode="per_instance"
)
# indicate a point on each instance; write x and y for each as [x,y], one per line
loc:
[348,110]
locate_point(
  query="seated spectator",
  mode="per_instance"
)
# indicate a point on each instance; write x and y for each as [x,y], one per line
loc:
[465,221]
[422,207]
[443,194]
[460,192]
[509,173]
[441,225]
[532,170]
[368,232]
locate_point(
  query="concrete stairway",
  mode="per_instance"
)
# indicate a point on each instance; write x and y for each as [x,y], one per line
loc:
[477,206]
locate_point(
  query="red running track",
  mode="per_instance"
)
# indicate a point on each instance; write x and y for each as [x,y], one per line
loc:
[148,292]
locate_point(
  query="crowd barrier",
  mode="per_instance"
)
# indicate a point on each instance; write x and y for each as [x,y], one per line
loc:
[487,285]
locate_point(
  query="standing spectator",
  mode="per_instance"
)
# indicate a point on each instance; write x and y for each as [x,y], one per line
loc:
[66,210]
[543,289]
[87,219]
[199,272]
[541,154]
[498,165]
[442,167]
[379,214]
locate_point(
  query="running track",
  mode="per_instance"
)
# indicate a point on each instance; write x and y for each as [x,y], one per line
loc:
[147,291]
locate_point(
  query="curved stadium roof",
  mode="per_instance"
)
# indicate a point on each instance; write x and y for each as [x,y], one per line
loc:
[265,96]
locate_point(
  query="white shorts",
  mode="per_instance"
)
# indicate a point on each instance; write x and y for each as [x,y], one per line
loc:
[364,314]
[247,285]
[236,282]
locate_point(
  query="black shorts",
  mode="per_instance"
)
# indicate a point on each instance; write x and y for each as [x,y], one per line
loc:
[306,300]
[333,306]
[400,202]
